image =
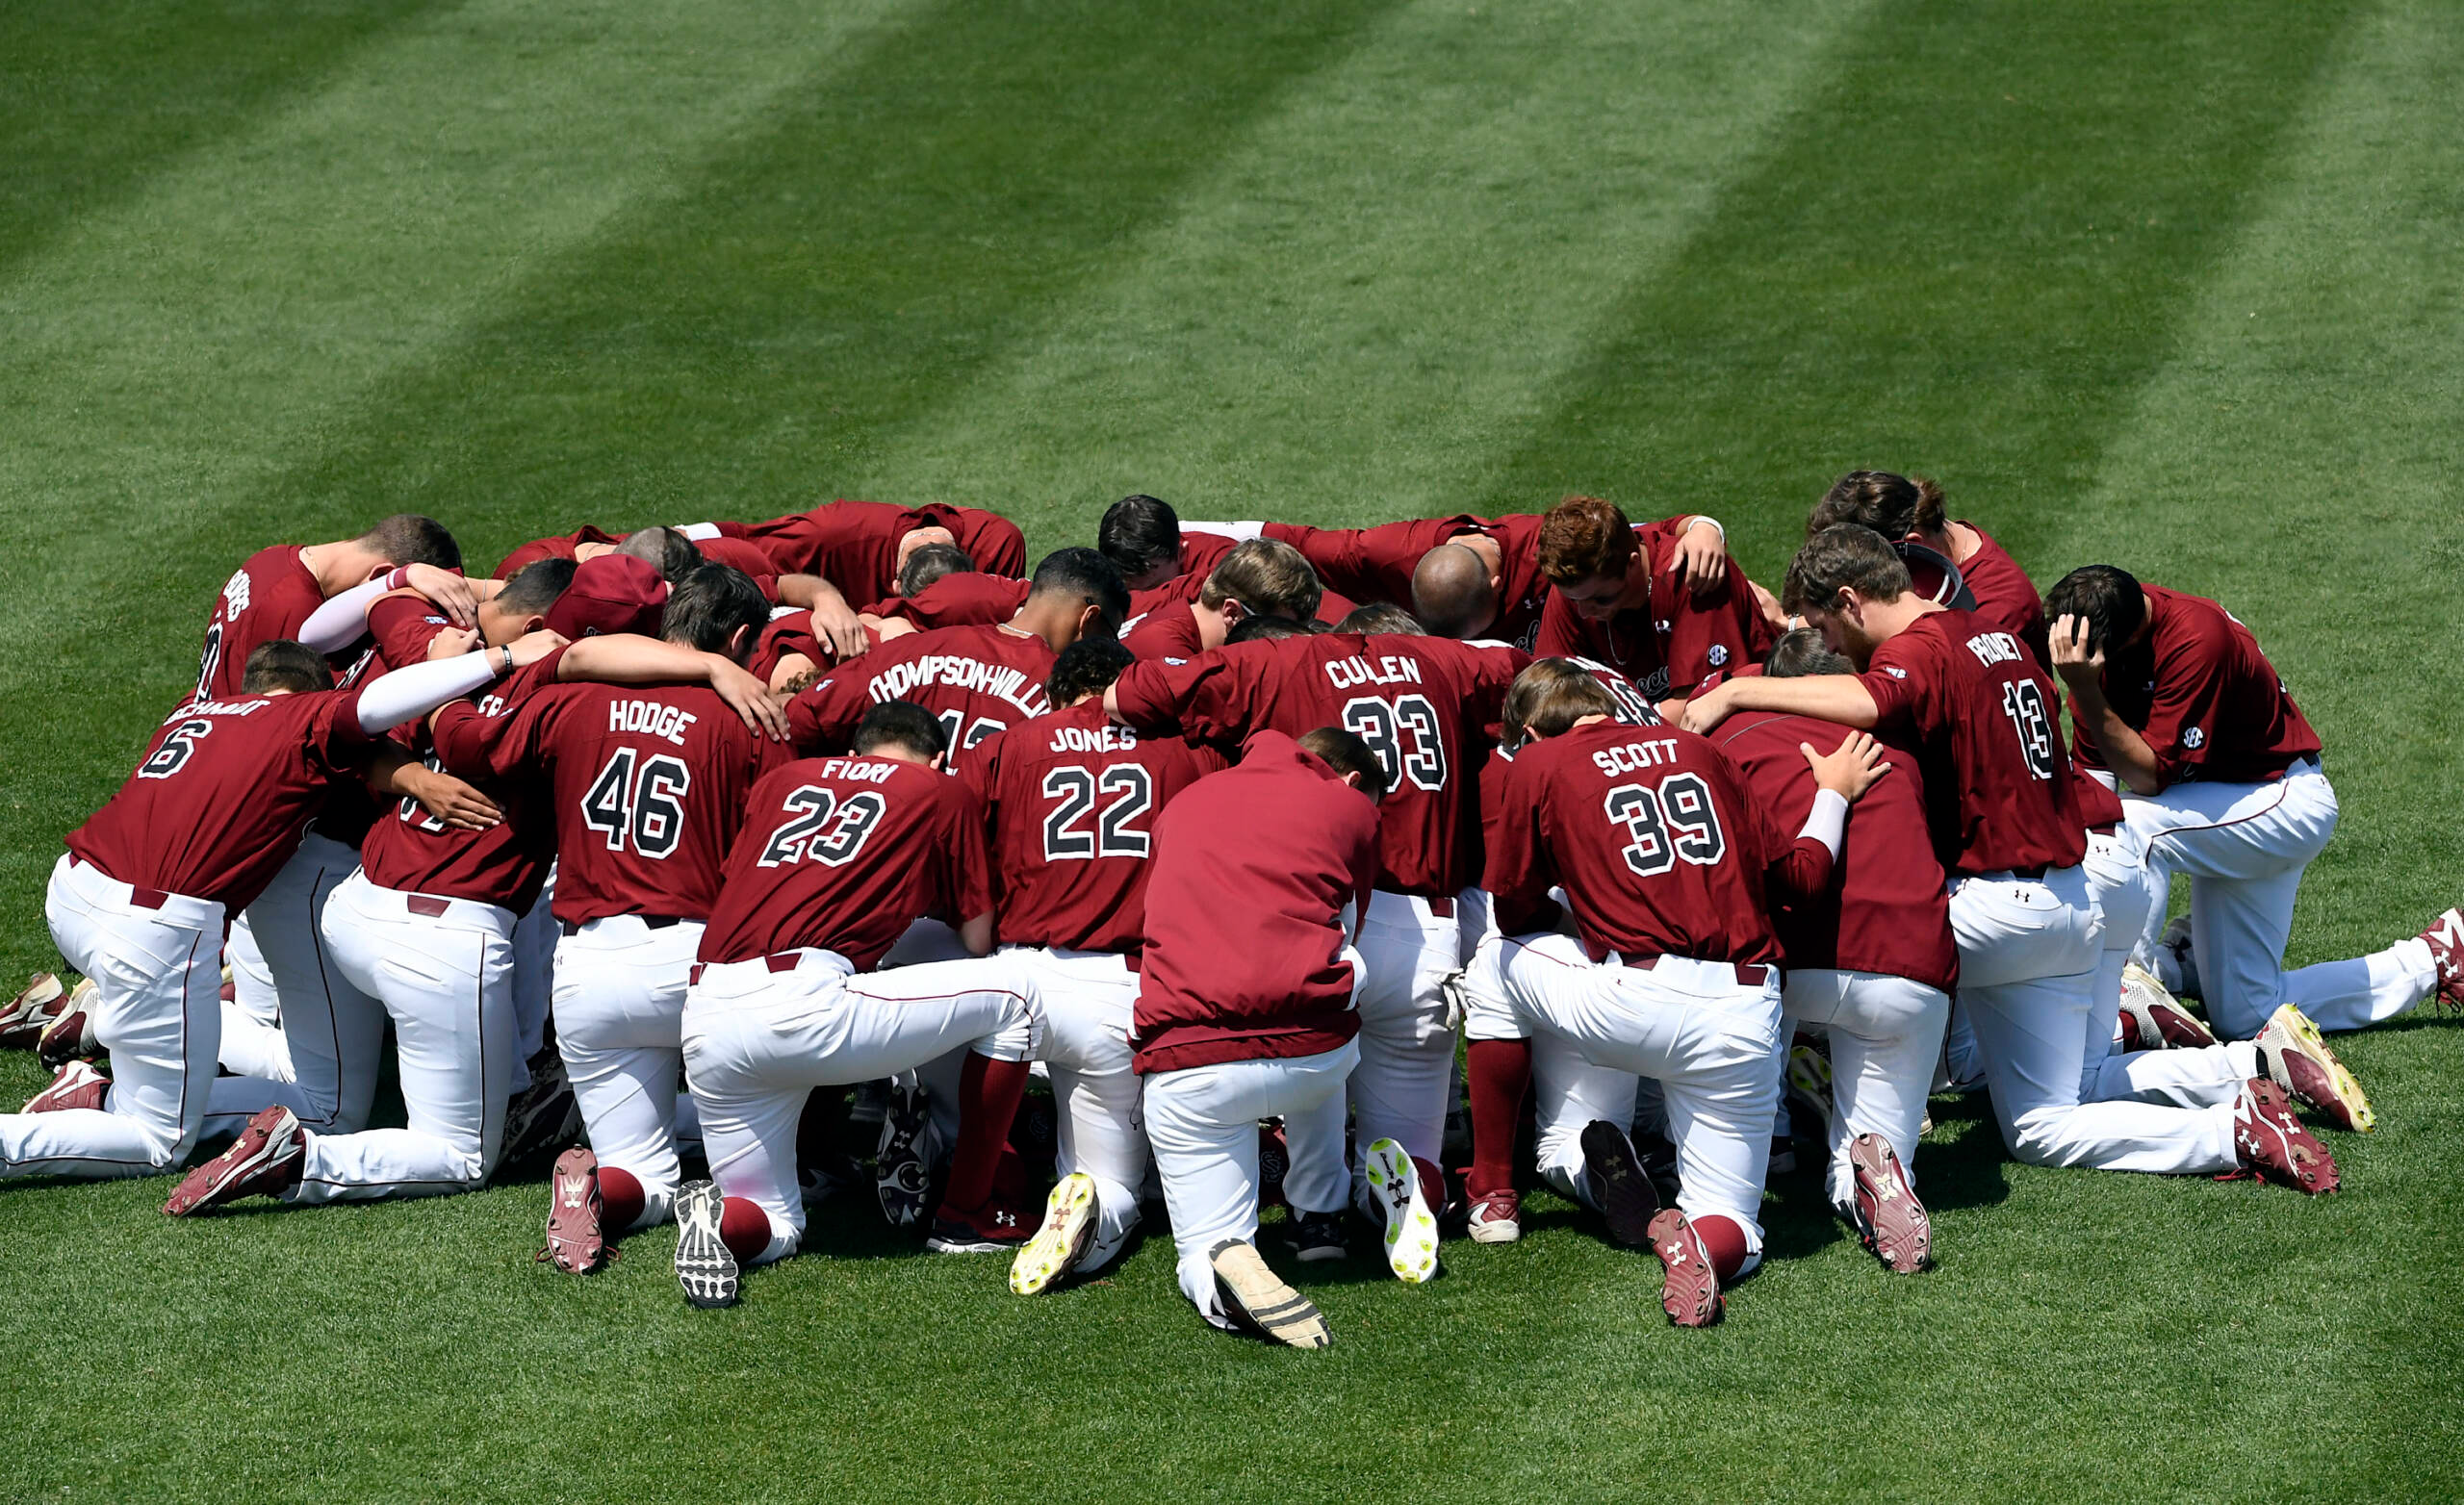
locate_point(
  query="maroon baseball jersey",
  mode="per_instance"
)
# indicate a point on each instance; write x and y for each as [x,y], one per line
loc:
[977,680]
[412,851]
[844,854]
[1998,791]
[2208,702]
[1668,648]
[734,553]
[795,633]
[266,599]
[854,544]
[1657,843]
[1202,552]
[1375,564]
[404,626]
[1168,631]
[1245,930]
[1421,702]
[646,785]
[1070,802]
[565,546]
[2005,597]
[1889,911]
[224,791]
[964,600]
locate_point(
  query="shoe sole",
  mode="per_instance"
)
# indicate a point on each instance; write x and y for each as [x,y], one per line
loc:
[940,1245]
[1497,1233]
[217,1180]
[582,1248]
[1411,1228]
[1061,1240]
[1898,1231]
[2348,1098]
[2276,1120]
[704,1266]
[1258,1297]
[1690,1294]
[1614,1172]
[902,1180]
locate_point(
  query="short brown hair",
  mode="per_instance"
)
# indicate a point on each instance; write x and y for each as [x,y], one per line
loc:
[1801,652]
[1549,697]
[281,664]
[1370,619]
[1268,576]
[1844,556]
[1583,538]
[1891,505]
[1343,751]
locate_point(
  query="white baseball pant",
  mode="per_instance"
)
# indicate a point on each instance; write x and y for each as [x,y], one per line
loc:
[1568,1092]
[1709,1038]
[2126,892]
[619,1013]
[1408,952]
[758,1040]
[1085,998]
[2243,848]
[2029,950]
[534,983]
[1203,1123]
[446,977]
[323,1059]
[1885,1035]
[158,989]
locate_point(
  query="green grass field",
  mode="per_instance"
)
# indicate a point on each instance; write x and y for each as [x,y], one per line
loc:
[2175,286]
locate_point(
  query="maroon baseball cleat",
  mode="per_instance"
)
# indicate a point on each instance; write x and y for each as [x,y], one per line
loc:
[25,1016]
[1497,1217]
[2273,1144]
[2152,1019]
[2445,941]
[79,1084]
[1691,1295]
[574,1240]
[69,1036]
[1889,1219]
[265,1160]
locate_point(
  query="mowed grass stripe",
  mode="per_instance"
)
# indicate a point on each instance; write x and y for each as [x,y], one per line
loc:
[2297,460]
[1381,286]
[171,355]
[1964,255]
[77,137]
[738,353]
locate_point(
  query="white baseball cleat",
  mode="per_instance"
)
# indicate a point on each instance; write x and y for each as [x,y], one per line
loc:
[1411,1224]
[2152,1020]
[704,1266]
[1495,1217]
[1061,1240]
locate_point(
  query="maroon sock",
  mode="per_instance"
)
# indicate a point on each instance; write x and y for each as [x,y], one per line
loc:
[1432,1185]
[1498,1073]
[989,1094]
[621,1199]
[1724,1240]
[744,1228]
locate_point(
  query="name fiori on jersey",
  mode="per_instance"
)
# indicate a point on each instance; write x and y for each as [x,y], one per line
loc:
[865,771]
[1087,739]
[1996,648]
[1628,758]
[652,718]
[1348,672]
[961,672]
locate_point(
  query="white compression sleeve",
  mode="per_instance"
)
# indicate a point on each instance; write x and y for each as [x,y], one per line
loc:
[339,622]
[1238,532]
[1828,821]
[409,693]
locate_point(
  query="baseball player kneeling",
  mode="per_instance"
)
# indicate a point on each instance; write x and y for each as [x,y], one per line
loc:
[1665,865]
[839,857]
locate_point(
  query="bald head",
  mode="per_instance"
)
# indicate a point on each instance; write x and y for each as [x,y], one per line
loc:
[1453,594]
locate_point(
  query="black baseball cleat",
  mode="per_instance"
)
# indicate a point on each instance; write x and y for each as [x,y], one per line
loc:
[704,1266]
[1613,1174]
[1312,1237]
[903,1165]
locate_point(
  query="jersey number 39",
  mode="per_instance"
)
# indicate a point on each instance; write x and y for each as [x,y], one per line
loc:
[1668,823]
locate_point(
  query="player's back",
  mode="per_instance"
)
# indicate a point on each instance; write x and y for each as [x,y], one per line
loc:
[977,680]
[1418,702]
[268,598]
[1071,801]
[843,854]
[1887,911]
[218,803]
[647,786]
[1660,846]
[1998,789]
